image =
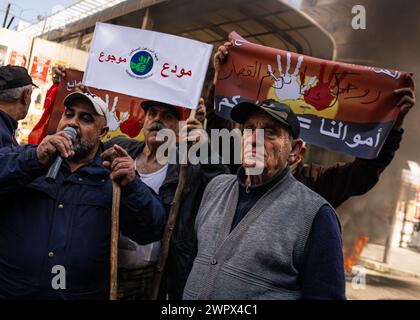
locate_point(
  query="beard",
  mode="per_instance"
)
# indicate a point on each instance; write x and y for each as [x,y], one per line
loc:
[82,149]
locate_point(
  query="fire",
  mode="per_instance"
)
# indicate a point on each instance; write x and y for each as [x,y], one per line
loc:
[354,253]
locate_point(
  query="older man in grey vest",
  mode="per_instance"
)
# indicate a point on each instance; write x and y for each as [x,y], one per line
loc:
[266,235]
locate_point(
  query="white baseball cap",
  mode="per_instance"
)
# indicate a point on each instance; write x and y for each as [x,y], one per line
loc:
[98,104]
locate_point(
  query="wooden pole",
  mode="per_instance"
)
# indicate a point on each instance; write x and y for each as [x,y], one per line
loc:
[116,197]
[171,223]
[169,228]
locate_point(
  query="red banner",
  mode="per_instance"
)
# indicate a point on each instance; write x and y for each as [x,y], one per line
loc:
[344,107]
[126,115]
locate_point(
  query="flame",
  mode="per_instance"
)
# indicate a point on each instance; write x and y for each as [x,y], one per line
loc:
[354,253]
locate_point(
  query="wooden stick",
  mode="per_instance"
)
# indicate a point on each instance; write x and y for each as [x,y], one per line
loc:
[170,224]
[169,228]
[116,197]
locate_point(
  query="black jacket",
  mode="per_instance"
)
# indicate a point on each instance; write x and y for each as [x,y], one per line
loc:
[182,245]
[68,223]
[7,130]
[341,181]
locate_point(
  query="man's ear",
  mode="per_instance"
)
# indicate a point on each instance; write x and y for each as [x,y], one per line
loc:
[296,155]
[103,132]
[26,96]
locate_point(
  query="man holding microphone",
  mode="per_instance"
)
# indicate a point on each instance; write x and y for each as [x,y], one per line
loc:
[66,225]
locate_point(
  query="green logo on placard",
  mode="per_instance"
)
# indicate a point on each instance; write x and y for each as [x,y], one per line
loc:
[141,63]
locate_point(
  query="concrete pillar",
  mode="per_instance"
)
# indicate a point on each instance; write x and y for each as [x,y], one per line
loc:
[147,22]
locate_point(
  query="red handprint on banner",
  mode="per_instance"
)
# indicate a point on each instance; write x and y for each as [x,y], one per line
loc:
[321,96]
[132,126]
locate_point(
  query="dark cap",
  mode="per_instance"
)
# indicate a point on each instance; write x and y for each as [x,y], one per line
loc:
[278,111]
[146,105]
[14,77]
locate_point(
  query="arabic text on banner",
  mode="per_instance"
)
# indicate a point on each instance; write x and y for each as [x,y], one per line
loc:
[343,107]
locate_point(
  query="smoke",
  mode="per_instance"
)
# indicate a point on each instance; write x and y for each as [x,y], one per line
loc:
[382,44]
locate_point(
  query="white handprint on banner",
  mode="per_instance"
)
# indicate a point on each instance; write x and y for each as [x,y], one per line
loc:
[115,117]
[287,86]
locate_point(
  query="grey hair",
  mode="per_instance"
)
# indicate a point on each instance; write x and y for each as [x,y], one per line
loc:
[11,95]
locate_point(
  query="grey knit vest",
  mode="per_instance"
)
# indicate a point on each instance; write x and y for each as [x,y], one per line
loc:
[260,258]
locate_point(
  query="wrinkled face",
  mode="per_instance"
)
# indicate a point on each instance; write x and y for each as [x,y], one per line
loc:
[90,128]
[158,118]
[277,144]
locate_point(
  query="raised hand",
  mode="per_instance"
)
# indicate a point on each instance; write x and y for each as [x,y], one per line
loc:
[193,131]
[58,73]
[121,165]
[220,58]
[407,99]
[80,87]
[200,114]
[51,145]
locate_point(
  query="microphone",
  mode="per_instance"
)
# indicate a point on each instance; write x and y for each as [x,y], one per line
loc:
[55,167]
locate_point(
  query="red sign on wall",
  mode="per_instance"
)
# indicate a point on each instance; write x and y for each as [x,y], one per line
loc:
[39,69]
[17,59]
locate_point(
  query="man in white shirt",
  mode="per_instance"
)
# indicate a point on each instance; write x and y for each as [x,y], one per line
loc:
[137,262]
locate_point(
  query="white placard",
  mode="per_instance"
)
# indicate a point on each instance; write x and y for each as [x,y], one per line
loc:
[147,64]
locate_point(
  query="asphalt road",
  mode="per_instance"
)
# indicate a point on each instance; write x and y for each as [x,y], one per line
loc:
[380,286]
